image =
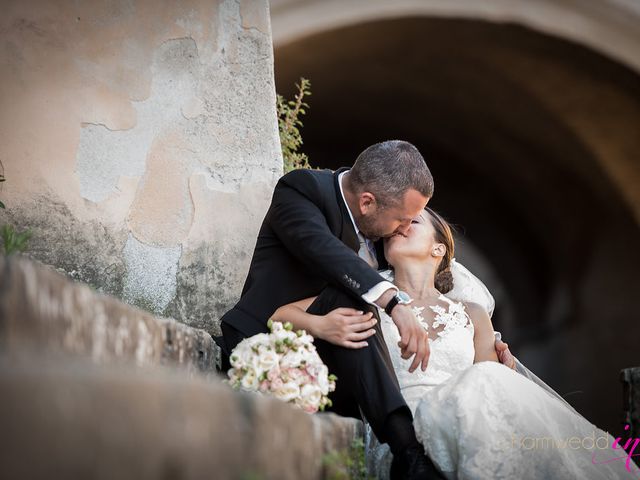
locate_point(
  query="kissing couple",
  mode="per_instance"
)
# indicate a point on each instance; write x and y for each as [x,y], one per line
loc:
[357,259]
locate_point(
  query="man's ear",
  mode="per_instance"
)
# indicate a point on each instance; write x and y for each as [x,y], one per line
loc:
[439,250]
[366,202]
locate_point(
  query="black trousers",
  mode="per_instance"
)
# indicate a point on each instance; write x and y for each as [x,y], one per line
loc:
[366,381]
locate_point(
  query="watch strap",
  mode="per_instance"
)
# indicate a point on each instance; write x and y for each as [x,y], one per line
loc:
[391,305]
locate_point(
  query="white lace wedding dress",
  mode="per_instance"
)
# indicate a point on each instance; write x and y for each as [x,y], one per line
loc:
[486,421]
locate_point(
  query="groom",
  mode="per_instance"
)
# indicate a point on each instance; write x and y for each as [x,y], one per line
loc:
[318,239]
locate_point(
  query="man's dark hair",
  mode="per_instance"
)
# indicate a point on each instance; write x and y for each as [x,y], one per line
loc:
[388,169]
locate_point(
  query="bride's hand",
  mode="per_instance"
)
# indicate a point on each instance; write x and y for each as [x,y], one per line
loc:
[414,339]
[346,327]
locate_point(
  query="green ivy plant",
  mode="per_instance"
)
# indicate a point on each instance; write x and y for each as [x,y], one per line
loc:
[12,240]
[289,124]
[347,464]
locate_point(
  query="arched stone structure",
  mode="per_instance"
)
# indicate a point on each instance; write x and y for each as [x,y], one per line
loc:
[529,118]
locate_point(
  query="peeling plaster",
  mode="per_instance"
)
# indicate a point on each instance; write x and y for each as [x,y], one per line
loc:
[150,281]
[104,155]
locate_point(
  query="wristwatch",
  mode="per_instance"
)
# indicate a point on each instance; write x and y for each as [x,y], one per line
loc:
[401,298]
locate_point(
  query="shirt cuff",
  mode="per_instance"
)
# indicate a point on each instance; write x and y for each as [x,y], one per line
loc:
[376,292]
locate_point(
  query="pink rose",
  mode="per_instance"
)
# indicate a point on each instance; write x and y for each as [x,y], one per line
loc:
[273,373]
[276,384]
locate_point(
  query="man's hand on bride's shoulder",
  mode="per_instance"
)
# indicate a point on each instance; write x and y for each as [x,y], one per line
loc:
[414,340]
[346,327]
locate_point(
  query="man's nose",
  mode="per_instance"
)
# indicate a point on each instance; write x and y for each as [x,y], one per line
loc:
[404,228]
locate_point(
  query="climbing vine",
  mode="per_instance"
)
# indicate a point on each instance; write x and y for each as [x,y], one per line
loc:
[289,124]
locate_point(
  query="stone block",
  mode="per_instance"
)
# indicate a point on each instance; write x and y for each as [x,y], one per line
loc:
[68,418]
[43,311]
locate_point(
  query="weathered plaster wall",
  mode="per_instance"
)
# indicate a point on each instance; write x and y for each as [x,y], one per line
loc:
[140,144]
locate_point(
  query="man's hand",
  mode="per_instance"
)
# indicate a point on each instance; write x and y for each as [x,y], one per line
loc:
[346,327]
[414,339]
[504,354]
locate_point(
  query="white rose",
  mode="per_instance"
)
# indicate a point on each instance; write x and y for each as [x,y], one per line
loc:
[260,338]
[241,355]
[282,335]
[288,392]
[292,359]
[310,357]
[265,361]
[323,379]
[311,395]
[305,339]
[258,341]
[233,376]
[250,381]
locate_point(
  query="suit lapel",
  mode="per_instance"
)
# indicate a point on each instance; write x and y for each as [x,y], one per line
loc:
[348,234]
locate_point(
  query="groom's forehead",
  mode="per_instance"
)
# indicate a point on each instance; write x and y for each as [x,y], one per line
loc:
[414,200]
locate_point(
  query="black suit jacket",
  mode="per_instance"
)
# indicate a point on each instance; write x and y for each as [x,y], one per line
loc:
[306,242]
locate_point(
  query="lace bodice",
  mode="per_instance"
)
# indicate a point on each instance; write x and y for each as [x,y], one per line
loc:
[451,352]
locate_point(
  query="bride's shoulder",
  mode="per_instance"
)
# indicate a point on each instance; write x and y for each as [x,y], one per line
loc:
[477,314]
[472,307]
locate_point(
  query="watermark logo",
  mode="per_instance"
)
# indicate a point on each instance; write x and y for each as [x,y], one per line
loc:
[572,443]
[604,449]
[625,453]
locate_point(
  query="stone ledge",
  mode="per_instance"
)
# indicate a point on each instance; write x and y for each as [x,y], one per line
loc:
[44,311]
[68,418]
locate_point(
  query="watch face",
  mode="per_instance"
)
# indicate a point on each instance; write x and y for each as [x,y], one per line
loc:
[403,297]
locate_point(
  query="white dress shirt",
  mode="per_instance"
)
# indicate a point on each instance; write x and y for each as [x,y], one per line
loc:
[377,290]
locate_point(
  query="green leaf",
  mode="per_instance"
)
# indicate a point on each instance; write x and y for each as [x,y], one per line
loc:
[13,241]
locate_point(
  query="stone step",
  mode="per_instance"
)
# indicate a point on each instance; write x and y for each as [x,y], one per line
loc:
[69,418]
[41,309]
[94,388]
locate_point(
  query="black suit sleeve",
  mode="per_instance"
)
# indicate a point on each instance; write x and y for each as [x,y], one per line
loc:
[297,218]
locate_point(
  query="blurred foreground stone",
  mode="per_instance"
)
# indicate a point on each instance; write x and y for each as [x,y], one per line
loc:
[94,389]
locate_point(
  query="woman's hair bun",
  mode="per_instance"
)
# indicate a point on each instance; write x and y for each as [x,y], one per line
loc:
[444,281]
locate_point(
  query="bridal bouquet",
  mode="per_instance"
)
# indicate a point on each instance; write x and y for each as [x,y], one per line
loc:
[284,364]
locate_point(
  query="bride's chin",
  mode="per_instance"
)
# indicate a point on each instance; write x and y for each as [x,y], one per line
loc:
[393,239]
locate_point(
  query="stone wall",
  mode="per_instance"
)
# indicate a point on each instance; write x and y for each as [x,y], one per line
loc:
[140,144]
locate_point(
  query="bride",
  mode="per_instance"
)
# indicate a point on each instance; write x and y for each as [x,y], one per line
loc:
[476,417]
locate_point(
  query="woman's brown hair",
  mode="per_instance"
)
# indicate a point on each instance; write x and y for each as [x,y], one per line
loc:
[444,235]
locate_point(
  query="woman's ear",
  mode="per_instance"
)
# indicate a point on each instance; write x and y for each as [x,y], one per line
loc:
[439,250]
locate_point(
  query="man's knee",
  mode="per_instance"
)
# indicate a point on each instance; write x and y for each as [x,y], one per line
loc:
[331,298]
